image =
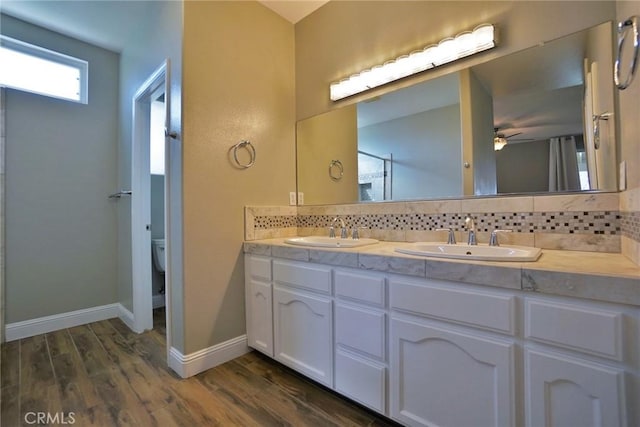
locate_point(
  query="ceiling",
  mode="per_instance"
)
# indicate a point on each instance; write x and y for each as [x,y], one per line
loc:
[293,11]
[89,21]
[93,21]
[537,93]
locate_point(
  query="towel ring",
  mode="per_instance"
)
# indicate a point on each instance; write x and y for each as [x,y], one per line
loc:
[336,170]
[624,27]
[252,154]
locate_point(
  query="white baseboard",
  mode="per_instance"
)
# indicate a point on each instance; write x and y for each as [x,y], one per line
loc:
[194,363]
[43,325]
[126,316]
[158,301]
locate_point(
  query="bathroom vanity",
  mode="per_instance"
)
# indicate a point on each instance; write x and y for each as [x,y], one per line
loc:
[427,341]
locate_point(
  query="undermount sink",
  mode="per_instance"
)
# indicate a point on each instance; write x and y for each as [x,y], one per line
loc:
[329,242]
[472,252]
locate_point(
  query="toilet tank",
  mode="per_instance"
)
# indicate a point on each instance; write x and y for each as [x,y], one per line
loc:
[159,258]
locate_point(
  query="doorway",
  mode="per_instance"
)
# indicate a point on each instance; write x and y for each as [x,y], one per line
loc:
[148,205]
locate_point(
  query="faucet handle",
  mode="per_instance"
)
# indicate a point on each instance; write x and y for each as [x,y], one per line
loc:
[493,239]
[332,232]
[355,234]
[470,222]
[451,239]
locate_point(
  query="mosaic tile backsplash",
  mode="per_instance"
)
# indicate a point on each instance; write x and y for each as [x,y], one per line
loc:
[521,222]
[583,222]
[630,225]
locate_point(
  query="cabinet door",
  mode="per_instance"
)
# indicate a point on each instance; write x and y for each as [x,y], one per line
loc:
[258,303]
[259,316]
[562,391]
[444,377]
[303,335]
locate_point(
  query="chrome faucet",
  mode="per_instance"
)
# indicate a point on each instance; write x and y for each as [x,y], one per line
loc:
[355,234]
[471,226]
[343,228]
[451,238]
[493,239]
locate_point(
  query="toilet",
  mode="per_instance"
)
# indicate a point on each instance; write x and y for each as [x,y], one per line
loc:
[157,247]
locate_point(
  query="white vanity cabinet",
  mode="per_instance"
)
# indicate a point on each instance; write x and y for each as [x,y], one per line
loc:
[428,352]
[576,377]
[303,319]
[443,374]
[361,337]
[258,303]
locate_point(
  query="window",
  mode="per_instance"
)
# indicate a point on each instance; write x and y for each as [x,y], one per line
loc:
[34,69]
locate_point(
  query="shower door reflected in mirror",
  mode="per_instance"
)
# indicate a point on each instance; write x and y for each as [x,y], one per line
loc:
[374,177]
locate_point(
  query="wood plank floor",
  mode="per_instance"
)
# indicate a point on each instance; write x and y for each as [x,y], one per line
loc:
[102,374]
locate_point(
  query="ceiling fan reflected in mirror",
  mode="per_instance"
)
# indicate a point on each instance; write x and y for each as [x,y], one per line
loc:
[500,139]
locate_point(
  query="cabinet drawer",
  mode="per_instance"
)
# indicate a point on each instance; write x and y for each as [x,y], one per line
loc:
[585,328]
[259,267]
[360,287]
[441,300]
[361,329]
[311,277]
[361,380]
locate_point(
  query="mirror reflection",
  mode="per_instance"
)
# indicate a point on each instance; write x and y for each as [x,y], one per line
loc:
[539,120]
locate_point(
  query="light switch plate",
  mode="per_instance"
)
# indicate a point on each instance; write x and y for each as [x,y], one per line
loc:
[292,198]
[300,198]
[623,175]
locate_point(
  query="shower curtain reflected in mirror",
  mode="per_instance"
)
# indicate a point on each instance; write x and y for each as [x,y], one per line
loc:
[563,164]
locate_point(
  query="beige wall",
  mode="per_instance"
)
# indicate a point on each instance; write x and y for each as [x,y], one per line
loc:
[630,109]
[630,138]
[366,33]
[322,139]
[238,83]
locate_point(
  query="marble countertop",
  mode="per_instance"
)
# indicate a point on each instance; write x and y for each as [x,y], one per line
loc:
[598,276]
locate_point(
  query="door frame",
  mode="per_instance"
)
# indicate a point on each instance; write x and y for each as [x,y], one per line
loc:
[141,265]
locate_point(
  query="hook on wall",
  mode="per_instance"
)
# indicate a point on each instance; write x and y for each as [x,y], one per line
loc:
[596,127]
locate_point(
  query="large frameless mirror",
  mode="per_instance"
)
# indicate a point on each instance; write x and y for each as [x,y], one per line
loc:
[535,121]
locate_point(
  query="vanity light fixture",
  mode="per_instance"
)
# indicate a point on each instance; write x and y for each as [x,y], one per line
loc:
[499,143]
[448,50]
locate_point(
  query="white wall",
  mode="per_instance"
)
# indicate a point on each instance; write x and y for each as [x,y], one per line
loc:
[523,167]
[419,144]
[156,38]
[61,166]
